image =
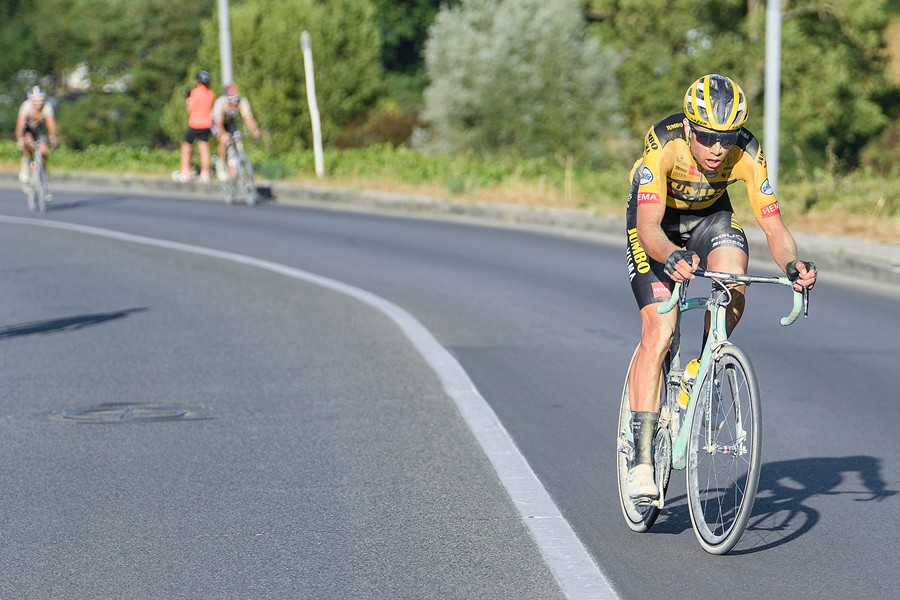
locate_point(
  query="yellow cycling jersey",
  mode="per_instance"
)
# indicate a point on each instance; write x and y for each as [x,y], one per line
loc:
[668,170]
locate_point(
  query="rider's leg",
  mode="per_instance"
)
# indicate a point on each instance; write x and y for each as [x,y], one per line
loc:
[729,259]
[186,148]
[204,159]
[24,171]
[222,170]
[645,385]
[657,332]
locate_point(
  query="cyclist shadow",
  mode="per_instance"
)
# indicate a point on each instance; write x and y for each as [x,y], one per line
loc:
[82,202]
[782,513]
[62,324]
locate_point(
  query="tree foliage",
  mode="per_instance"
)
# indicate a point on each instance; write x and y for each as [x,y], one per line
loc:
[834,81]
[404,28]
[268,65]
[131,48]
[517,76]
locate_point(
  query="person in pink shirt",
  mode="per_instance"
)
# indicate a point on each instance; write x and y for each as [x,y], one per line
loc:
[199,107]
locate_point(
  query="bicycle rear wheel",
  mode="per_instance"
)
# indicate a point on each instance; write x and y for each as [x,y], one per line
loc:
[639,517]
[724,451]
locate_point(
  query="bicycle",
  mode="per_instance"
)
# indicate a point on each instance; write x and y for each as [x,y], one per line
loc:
[717,438]
[37,190]
[242,183]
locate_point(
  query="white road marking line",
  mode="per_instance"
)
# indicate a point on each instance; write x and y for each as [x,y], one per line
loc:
[575,571]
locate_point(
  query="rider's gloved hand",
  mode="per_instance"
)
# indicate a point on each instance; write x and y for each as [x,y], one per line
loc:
[681,264]
[20,143]
[802,272]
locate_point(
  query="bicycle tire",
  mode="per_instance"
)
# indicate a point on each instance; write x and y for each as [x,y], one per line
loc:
[36,187]
[639,518]
[245,179]
[724,448]
[43,184]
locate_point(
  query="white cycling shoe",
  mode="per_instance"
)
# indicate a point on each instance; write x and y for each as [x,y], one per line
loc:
[223,174]
[641,483]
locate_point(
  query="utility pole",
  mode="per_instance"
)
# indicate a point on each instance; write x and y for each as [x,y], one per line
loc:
[225,43]
[772,107]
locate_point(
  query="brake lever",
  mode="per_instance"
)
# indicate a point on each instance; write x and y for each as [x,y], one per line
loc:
[805,301]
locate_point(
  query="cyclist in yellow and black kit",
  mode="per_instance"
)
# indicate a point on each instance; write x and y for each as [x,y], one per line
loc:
[679,217]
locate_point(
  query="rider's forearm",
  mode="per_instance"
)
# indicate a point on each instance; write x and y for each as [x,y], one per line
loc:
[655,242]
[782,246]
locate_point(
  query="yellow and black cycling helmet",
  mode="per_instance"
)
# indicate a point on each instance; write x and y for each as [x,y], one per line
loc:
[716,102]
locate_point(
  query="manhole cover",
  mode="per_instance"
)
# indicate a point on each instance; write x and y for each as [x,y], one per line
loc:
[116,412]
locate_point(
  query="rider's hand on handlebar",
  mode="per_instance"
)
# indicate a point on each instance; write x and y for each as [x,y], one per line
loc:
[681,264]
[803,273]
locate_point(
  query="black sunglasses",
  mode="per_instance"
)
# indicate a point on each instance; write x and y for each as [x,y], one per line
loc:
[710,138]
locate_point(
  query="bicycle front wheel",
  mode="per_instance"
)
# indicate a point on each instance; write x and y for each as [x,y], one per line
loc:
[639,517]
[245,179]
[724,451]
[42,183]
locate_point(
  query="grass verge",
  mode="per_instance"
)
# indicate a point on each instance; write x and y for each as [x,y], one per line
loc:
[857,204]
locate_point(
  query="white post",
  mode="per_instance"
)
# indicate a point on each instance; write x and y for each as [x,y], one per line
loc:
[311,99]
[773,88]
[225,43]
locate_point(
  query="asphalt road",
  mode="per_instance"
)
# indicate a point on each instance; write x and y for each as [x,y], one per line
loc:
[289,441]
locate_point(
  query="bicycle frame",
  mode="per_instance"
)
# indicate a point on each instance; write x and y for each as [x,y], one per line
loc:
[242,176]
[716,304]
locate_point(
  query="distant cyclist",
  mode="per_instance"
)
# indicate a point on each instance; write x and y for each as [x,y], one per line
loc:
[35,122]
[224,113]
[679,217]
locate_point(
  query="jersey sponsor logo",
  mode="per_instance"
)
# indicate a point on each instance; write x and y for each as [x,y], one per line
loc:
[711,173]
[651,142]
[683,190]
[766,188]
[641,261]
[648,198]
[692,170]
[770,209]
[646,176]
[674,126]
[660,290]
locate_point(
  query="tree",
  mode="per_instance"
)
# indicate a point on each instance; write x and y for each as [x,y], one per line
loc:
[404,27]
[834,85]
[269,70]
[517,76]
[132,49]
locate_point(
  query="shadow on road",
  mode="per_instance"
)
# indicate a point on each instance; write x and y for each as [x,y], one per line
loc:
[65,323]
[782,512]
[79,203]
